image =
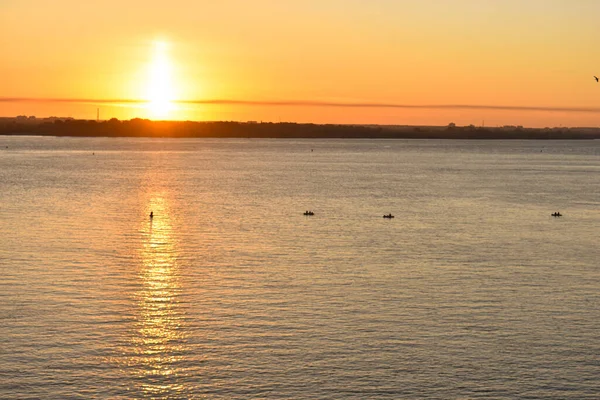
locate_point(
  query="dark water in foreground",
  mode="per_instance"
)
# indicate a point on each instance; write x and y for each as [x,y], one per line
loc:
[472,291]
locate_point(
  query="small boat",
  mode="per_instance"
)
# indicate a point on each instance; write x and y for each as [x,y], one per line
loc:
[556,214]
[388,216]
[309,213]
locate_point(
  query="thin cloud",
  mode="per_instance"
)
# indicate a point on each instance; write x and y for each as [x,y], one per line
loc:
[306,103]
[73,100]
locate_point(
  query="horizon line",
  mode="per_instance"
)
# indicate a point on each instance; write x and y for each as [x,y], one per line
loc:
[306,103]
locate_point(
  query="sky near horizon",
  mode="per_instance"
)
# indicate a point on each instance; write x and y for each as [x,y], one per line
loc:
[304,61]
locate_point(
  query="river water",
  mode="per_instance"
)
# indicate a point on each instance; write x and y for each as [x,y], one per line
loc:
[472,291]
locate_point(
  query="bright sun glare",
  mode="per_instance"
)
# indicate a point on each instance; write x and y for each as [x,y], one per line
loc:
[160,93]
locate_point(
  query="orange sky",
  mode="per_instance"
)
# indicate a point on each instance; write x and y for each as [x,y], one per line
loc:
[534,53]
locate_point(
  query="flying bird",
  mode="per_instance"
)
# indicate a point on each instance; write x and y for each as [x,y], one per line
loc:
[595,77]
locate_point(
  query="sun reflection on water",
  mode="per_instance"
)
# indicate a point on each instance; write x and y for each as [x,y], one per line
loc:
[159,341]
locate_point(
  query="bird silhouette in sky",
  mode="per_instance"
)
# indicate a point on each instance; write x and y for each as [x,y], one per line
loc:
[595,77]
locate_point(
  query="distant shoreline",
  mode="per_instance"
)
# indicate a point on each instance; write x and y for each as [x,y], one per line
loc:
[30,126]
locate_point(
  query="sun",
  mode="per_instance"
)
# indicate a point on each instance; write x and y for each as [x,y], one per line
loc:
[160,90]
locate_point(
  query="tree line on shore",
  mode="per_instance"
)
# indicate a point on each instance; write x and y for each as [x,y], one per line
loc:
[230,129]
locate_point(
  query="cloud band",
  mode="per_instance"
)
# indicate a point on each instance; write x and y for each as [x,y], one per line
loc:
[306,103]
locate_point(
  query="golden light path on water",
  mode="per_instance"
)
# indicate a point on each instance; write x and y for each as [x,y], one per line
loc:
[159,339]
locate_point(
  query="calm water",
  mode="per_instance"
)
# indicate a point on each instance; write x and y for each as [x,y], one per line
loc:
[472,291]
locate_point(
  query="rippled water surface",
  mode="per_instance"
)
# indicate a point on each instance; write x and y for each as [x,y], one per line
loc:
[472,291]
